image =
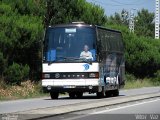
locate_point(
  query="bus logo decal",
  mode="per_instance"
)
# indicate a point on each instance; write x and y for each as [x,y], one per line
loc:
[86,67]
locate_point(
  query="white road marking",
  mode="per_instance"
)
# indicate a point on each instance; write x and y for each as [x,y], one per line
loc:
[108,110]
[113,109]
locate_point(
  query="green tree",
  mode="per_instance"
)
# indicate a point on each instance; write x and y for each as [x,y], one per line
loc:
[144,25]
[2,64]
[20,36]
[26,7]
[73,10]
[116,19]
[119,18]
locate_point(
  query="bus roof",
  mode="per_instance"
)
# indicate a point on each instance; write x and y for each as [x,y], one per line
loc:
[72,25]
[83,25]
[100,27]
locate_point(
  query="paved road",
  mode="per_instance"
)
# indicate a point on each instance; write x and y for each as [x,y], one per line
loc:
[22,105]
[142,110]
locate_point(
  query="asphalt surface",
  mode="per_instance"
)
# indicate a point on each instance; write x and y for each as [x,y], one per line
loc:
[28,104]
[140,110]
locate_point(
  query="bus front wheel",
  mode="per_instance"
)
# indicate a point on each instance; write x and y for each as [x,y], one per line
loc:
[101,94]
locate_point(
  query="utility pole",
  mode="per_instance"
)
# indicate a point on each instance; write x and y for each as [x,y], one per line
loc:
[157,19]
[131,21]
[125,18]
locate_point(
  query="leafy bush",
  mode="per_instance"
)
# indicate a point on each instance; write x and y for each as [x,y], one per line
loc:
[143,58]
[129,77]
[2,63]
[16,73]
[142,54]
[157,77]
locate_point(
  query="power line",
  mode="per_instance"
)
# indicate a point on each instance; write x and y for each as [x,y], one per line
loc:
[135,3]
[119,4]
[103,3]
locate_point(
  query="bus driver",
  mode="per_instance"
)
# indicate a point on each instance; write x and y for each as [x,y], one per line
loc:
[86,53]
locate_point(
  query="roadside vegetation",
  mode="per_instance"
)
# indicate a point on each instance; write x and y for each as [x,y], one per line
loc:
[133,82]
[22,25]
[27,89]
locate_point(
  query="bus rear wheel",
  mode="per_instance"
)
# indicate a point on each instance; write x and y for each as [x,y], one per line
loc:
[115,92]
[54,95]
[108,93]
[72,95]
[79,94]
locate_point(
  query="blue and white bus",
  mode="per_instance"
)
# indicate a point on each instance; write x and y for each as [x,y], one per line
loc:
[80,58]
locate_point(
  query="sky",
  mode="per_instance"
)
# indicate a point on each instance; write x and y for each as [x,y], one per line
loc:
[112,6]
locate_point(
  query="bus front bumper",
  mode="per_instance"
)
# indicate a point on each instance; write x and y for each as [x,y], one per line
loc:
[71,85]
[61,89]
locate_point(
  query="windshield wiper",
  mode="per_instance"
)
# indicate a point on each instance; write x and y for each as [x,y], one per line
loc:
[62,59]
[68,58]
[50,62]
[89,61]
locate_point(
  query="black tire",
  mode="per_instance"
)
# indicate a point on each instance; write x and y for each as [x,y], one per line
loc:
[108,93]
[101,94]
[54,95]
[72,95]
[79,94]
[115,92]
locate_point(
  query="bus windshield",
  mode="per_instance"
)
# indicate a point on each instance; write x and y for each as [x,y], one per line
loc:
[70,43]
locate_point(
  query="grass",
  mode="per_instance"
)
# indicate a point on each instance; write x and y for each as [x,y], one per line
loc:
[27,89]
[140,83]
[133,82]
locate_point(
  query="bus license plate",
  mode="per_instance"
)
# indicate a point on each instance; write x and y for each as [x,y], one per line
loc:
[69,86]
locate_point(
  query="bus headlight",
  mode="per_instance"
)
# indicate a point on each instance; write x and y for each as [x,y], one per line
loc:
[45,76]
[94,75]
